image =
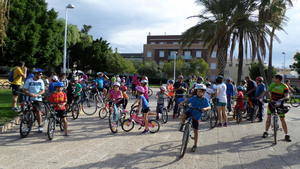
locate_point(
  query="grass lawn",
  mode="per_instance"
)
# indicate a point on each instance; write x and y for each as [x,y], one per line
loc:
[6,114]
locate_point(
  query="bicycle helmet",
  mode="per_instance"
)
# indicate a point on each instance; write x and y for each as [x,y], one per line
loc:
[117,84]
[163,88]
[200,79]
[54,78]
[259,78]
[124,88]
[200,87]
[37,70]
[140,89]
[58,84]
[208,84]
[240,88]
[171,81]
[144,81]
[99,73]
[180,77]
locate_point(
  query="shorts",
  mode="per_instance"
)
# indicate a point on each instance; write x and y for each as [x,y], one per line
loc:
[146,110]
[37,105]
[159,108]
[221,104]
[61,113]
[271,109]
[15,89]
[195,123]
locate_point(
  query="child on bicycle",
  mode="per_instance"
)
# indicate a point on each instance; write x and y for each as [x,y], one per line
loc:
[198,104]
[145,86]
[143,106]
[125,96]
[60,99]
[239,100]
[161,96]
[115,95]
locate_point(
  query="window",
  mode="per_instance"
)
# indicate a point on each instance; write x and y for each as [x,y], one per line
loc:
[172,54]
[161,53]
[214,54]
[175,43]
[187,55]
[213,66]
[198,54]
[149,54]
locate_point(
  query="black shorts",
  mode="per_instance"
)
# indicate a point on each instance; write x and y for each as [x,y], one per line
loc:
[195,123]
[37,105]
[15,89]
[146,110]
[61,113]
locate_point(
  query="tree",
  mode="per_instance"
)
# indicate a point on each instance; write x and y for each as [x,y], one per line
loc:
[150,69]
[254,70]
[296,65]
[4,10]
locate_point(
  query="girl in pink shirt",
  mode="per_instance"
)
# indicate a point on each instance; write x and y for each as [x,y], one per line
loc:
[115,95]
[145,86]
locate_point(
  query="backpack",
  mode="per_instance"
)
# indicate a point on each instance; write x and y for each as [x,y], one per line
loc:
[11,76]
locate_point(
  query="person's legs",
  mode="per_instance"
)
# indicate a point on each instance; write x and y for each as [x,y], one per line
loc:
[224,115]
[219,109]
[65,121]
[175,108]
[14,101]
[260,110]
[229,108]
[284,125]
[146,121]
[15,89]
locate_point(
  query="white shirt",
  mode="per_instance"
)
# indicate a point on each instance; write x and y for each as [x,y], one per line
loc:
[221,93]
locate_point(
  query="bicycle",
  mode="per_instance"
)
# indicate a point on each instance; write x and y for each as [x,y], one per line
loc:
[104,110]
[89,102]
[278,108]
[115,117]
[294,100]
[161,109]
[27,118]
[150,92]
[135,118]
[212,116]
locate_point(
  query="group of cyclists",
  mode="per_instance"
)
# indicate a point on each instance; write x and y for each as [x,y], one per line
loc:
[200,94]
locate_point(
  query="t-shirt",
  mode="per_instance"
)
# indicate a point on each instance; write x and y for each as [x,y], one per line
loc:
[278,91]
[17,75]
[115,94]
[78,87]
[34,87]
[221,93]
[199,103]
[170,88]
[135,80]
[260,89]
[250,85]
[208,93]
[240,100]
[161,97]
[58,97]
[180,92]
[100,82]
[145,103]
[230,89]
[146,92]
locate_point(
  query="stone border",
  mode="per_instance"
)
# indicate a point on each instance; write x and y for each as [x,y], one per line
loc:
[9,125]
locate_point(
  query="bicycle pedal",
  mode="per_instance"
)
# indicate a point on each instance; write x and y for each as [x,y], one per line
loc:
[140,128]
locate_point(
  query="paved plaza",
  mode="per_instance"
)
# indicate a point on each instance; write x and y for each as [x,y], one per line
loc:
[91,145]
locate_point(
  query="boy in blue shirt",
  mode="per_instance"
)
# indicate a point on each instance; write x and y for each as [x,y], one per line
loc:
[198,104]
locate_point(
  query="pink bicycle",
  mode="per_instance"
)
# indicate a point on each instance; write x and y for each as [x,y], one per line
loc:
[128,124]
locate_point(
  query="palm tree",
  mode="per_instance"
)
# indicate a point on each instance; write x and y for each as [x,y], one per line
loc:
[272,14]
[4,7]
[223,25]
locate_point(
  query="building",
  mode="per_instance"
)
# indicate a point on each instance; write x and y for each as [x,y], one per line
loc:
[133,56]
[231,69]
[164,48]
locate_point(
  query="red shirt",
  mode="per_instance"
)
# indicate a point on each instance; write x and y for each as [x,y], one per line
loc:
[240,100]
[58,97]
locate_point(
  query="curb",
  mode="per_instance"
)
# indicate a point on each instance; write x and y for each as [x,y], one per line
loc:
[9,125]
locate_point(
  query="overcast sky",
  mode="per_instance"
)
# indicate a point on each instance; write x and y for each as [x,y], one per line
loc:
[126,23]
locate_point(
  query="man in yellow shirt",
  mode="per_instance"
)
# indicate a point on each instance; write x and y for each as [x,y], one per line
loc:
[19,74]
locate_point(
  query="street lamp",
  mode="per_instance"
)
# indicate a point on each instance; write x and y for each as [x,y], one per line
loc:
[283,66]
[175,57]
[70,6]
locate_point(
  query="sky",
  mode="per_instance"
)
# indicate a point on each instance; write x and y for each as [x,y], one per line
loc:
[126,23]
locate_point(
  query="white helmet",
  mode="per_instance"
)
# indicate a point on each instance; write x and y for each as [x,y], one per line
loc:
[200,87]
[117,84]
[163,88]
[144,81]
[99,73]
[55,78]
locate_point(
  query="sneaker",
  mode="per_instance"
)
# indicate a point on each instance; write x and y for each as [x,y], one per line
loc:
[145,132]
[220,125]
[40,129]
[225,124]
[194,148]
[287,138]
[265,135]
[181,127]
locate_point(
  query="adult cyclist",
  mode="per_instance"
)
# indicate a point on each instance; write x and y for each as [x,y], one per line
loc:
[180,88]
[278,92]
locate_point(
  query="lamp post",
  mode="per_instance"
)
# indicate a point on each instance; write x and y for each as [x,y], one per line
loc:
[283,66]
[70,6]
[175,57]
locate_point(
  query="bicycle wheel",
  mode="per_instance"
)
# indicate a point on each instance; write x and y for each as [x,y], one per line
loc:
[153,126]
[99,101]
[61,124]
[164,116]
[185,140]
[89,106]
[51,128]
[213,119]
[150,92]
[238,116]
[103,113]
[113,123]
[294,102]
[26,124]
[127,125]
[275,128]
[133,110]
[75,111]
